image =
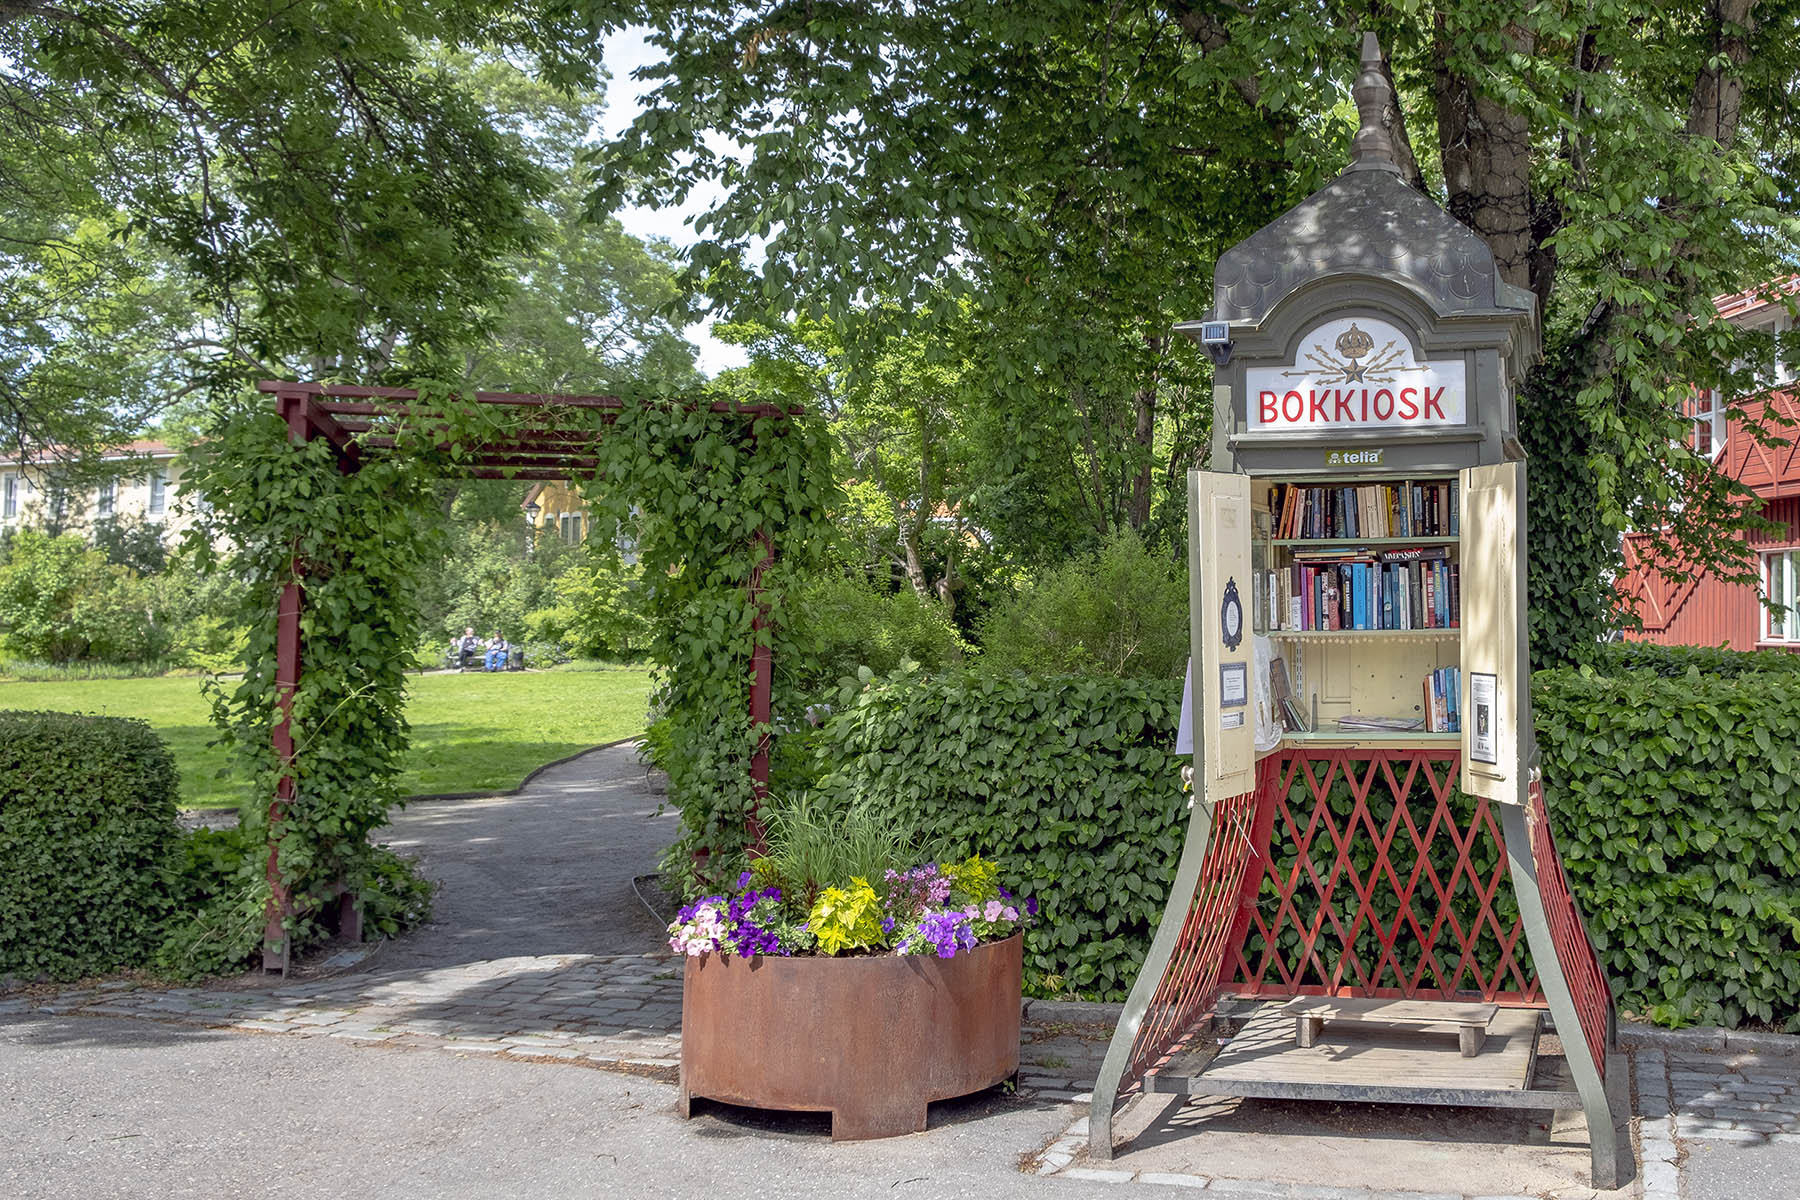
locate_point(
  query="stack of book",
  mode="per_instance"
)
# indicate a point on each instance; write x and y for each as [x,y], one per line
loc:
[1414,588]
[1443,700]
[1410,508]
[1287,705]
[1354,723]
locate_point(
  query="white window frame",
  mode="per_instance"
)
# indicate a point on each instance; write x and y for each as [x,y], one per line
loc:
[1709,424]
[11,504]
[1780,584]
[159,493]
[1774,323]
[106,498]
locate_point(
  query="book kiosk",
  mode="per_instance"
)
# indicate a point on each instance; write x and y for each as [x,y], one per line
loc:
[1369,867]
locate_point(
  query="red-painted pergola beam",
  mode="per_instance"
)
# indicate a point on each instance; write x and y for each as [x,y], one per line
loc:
[335,394]
[346,415]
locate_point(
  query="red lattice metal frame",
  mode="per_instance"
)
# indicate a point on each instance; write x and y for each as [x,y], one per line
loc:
[1293,797]
[1190,983]
[1581,969]
[1322,873]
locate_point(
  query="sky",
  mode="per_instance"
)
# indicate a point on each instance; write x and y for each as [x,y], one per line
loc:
[625,51]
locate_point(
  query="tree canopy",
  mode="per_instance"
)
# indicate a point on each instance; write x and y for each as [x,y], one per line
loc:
[196,192]
[1068,172]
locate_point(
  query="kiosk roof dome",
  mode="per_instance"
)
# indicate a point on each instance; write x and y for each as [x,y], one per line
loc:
[1367,221]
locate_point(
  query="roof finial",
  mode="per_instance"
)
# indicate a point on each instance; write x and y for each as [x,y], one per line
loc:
[1373,149]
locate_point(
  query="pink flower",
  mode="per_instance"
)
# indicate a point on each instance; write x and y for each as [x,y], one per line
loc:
[993,911]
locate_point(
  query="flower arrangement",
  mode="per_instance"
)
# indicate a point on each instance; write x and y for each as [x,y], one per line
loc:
[935,909]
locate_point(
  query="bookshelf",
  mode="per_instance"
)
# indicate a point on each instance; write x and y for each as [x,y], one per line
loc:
[1353,542]
[1357,584]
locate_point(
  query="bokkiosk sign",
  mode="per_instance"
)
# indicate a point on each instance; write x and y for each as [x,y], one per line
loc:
[1357,374]
[1369,851]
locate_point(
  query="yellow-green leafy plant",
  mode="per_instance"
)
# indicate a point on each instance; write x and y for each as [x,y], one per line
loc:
[975,878]
[846,919]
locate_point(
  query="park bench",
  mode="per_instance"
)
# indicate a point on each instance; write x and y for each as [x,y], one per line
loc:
[1468,1021]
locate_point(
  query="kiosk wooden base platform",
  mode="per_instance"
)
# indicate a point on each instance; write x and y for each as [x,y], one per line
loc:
[1362,1062]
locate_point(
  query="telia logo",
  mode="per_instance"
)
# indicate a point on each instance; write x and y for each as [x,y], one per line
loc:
[1353,458]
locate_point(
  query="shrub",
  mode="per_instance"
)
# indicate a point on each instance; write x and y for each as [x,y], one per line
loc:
[1677,804]
[219,895]
[842,623]
[1122,613]
[87,824]
[1614,658]
[61,601]
[219,892]
[395,897]
[599,612]
[1071,783]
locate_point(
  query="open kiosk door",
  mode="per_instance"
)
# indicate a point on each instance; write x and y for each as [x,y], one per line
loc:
[1216,851]
[1219,595]
[1500,763]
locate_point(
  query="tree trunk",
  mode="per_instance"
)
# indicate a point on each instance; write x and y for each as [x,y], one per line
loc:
[1486,151]
[1143,442]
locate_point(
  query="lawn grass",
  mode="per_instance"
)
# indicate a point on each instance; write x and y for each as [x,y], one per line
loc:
[471,732]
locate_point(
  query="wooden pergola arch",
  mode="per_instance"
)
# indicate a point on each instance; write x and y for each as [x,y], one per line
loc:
[352,418]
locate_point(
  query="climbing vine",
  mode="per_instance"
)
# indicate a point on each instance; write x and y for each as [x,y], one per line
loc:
[710,493]
[276,512]
[703,487]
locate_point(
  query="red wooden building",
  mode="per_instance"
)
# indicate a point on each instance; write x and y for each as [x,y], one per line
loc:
[1700,610]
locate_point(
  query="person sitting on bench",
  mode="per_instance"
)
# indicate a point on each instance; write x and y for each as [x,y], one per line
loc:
[498,652]
[466,646]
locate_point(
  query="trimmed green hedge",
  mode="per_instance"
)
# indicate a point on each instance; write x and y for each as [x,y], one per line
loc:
[1070,783]
[1677,806]
[87,824]
[1675,800]
[1616,658]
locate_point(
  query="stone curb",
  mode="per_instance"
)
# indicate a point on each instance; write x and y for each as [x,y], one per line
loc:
[1706,1040]
[1071,1012]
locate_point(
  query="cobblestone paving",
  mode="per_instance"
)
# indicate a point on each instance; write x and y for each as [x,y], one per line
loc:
[605,1010]
[1745,1099]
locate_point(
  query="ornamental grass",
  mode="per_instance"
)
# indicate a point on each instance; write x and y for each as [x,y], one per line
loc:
[847,882]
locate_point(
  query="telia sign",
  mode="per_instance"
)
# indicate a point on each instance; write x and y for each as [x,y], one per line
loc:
[1357,373]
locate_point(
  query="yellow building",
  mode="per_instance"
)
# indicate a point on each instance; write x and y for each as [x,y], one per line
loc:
[556,510]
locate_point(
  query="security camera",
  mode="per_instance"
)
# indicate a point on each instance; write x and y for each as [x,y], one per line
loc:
[1216,337]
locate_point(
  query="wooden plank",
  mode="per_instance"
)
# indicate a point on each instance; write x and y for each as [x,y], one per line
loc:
[1264,1052]
[1449,1016]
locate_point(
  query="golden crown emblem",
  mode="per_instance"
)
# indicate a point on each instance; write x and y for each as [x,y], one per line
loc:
[1353,343]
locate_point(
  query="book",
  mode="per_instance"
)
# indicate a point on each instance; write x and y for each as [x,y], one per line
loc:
[1356,721]
[1416,554]
[1281,691]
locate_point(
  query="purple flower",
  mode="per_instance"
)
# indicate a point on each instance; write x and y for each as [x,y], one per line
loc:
[1031,907]
[947,932]
[744,880]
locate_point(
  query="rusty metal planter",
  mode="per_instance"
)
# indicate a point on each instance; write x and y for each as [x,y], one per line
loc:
[870,1040]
